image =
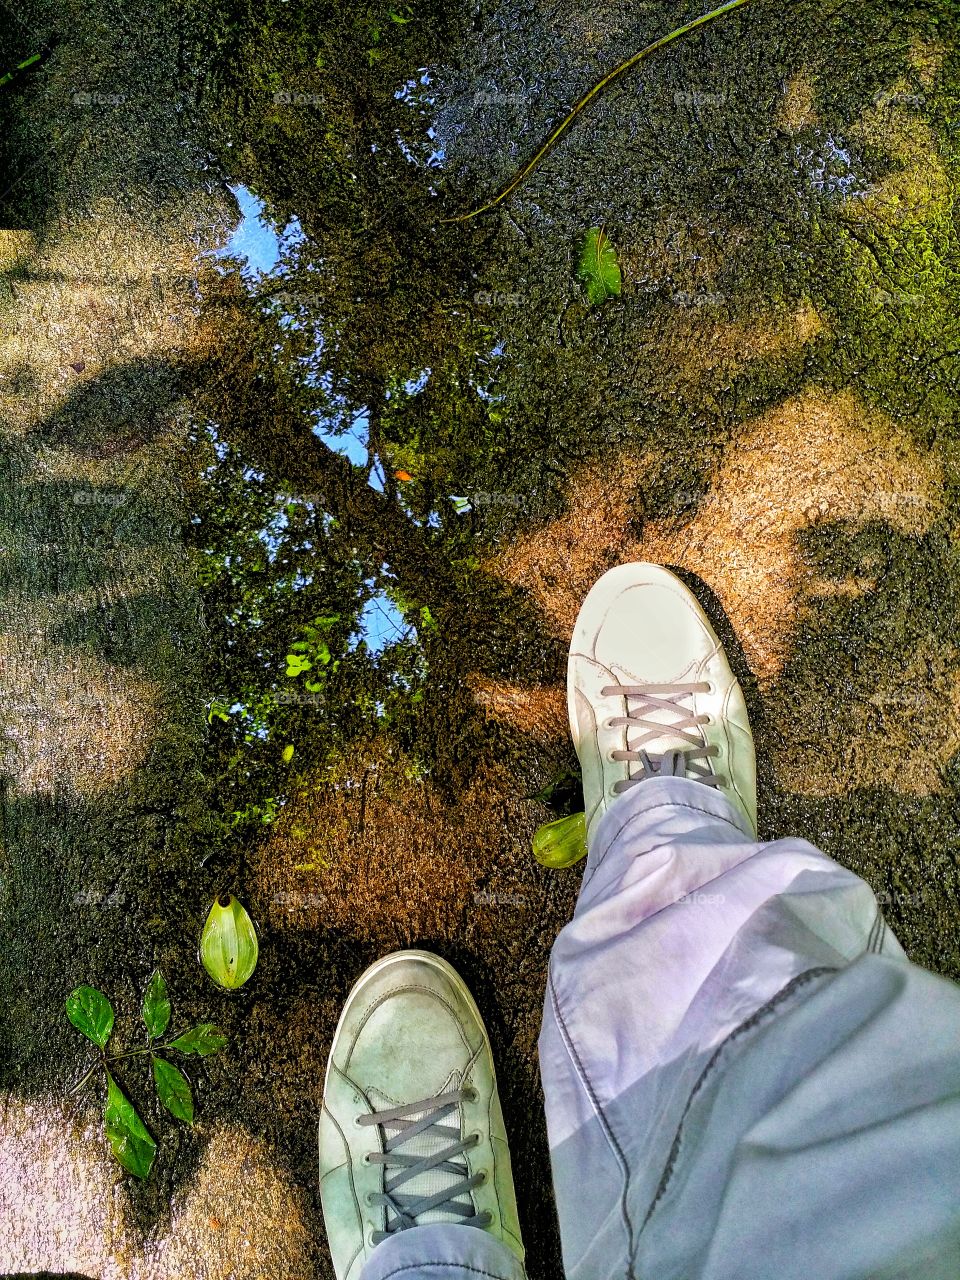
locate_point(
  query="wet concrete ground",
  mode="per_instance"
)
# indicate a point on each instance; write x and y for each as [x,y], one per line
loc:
[770,408]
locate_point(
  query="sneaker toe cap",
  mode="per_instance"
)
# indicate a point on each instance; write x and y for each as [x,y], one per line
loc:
[408,1030]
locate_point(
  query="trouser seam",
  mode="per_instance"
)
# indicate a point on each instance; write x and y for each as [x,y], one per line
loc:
[604,1124]
[799,980]
[877,932]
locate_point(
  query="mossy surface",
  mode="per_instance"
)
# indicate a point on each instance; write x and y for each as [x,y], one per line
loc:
[770,407]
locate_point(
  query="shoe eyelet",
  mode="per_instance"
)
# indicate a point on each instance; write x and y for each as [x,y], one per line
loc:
[482,1175]
[711,687]
[368,1199]
[356,1122]
[366,1159]
[470,1094]
[475,1138]
[370,1239]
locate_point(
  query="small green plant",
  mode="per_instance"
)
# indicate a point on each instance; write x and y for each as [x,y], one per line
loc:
[399,15]
[312,651]
[598,267]
[92,1014]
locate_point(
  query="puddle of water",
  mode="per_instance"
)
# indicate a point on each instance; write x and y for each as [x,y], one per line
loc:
[382,624]
[255,240]
[352,443]
[829,168]
[416,94]
[494,386]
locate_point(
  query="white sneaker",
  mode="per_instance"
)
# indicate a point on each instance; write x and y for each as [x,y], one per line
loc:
[650,693]
[411,1131]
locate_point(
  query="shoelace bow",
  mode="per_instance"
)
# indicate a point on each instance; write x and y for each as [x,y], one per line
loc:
[407,1208]
[680,762]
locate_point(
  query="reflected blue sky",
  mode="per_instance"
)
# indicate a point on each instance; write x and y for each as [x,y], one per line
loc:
[258,245]
[255,239]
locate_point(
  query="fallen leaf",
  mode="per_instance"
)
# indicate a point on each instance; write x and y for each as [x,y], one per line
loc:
[598,267]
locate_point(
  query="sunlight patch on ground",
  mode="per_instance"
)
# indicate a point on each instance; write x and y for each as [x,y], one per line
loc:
[540,712]
[815,463]
[80,731]
[60,1210]
[242,1205]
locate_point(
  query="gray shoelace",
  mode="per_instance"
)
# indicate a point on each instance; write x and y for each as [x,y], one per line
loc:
[679,762]
[407,1208]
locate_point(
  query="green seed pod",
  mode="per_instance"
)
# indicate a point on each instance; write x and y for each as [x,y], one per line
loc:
[561,843]
[228,944]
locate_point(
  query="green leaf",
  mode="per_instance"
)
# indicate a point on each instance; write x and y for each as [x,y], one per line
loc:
[297,663]
[173,1089]
[286,754]
[131,1143]
[202,1039]
[561,843]
[598,267]
[91,1012]
[156,1006]
[228,944]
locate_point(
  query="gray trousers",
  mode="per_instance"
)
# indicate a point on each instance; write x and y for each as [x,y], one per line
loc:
[745,1078]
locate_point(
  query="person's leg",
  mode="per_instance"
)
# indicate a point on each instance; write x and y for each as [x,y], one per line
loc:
[443,1252]
[415,1176]
[743,1074]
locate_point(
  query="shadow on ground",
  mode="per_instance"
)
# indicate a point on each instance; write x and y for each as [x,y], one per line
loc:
[770,408]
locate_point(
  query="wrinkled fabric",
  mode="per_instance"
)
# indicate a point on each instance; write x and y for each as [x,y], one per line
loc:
[741,1064]
[443,1251]
[745,1078]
